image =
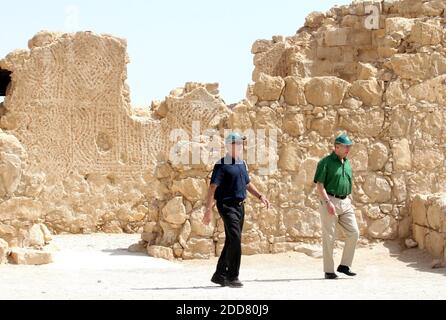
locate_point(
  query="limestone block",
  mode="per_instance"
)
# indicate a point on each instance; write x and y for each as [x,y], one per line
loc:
[434,244]
[402,155]
[418,211]
[377,188]
[431,90]
[199,249]
[199,229]
[337,37]
[399,187]
[294,124]
[290,157]
[325,126]
[175,211]
[185,234]
[419,235]
[192,189]
[323,91]
[368,91]
[399,24]
[260,46]
[395,94]
[425,158]
[378,156]
[436,214]
[160,252]
[426,33]
[419,66]
[294,93]
[366,71]
[258,247]
[269,88]
[400,123]
[30,256]
[385,228]
[370,123]
[359,157]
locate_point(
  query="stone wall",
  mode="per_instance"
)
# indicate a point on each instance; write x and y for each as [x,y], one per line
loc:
[85,160]
[429,224]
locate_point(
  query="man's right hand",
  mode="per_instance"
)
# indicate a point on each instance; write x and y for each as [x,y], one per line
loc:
[331,208]
[207,216]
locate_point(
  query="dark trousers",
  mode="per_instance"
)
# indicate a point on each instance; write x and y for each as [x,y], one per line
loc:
[233,215]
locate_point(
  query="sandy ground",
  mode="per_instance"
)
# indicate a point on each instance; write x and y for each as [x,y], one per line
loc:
[99,266]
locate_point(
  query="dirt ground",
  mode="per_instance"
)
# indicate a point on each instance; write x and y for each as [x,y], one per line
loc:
[99,266]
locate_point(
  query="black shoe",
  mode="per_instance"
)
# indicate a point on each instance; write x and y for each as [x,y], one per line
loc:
[346,270]
[331,275]
[235,283]
[217,279]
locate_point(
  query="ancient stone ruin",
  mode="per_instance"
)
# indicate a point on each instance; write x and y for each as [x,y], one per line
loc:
[76,157]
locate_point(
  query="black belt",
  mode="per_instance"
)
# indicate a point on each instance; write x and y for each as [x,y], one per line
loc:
[339,197]
[233,202]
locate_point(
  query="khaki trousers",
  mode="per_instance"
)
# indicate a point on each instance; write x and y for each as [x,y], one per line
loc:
[345,216]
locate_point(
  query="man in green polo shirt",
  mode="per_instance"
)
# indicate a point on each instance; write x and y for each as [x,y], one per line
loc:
[334,183]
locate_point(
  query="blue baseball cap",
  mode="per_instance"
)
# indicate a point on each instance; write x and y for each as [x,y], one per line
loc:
[343,139]
[234,137]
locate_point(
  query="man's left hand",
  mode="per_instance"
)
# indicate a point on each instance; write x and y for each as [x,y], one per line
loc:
[265,201]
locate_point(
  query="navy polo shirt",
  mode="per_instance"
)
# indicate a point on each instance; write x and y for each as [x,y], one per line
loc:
[231,178]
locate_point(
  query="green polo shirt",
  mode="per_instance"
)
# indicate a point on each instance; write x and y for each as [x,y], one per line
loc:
[334,175]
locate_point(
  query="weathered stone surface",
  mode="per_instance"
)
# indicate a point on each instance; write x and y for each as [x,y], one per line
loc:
[385,228]
[377,188]
[419,211]
[192,189]
[185,234]
[199,249]
[197,227]
[175,211]
[424,158]
[160,252]
[370,123]
[30,256]
[426,33]
[434,243]
[401,155]
[258,247]
[4,251]
[294,124]
[294,93]
[378,156]
[368,91]
[432,90]
[395,94]
[418,66]
[269,88]
[359,157]
[323,91]
[12,156]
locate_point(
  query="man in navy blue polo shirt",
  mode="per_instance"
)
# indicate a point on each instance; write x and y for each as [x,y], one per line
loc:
[229,183]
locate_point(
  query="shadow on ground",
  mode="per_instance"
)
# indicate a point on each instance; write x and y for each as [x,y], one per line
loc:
[124,252]
[245,281]
[415,258]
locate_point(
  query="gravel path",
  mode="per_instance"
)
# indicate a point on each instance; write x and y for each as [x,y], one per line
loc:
[99,266]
